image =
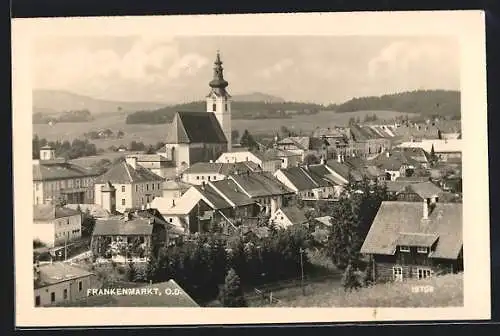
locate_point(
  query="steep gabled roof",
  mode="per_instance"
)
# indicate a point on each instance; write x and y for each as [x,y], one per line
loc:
[221,168]
[305,179]
[211,195]
[232,191]
[425,189]
[124,173]
[195,127]
[396,218]
[260,184]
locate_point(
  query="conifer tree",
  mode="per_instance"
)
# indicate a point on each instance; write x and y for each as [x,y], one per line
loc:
[231,294]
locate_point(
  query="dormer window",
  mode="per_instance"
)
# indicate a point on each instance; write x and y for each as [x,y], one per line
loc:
[422,250]
[404,249]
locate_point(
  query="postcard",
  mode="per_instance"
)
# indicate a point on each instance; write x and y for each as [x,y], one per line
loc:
[250,169]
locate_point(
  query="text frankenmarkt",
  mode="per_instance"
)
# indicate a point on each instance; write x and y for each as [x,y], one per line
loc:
[130,291]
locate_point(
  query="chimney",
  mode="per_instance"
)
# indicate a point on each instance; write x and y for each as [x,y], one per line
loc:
[132,161]
[426,209]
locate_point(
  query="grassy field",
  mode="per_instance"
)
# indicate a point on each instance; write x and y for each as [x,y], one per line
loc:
[447,292]
[152,134]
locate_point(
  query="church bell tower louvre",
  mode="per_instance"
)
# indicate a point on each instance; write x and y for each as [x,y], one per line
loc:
[219,100]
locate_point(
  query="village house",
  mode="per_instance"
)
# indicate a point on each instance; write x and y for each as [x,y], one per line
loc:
[55,225]
[305,145]
[417,154]
[395,164]
[206,206]
[269,160]
[158,164]
[133,186]
[365,141]
[202,172]
[285,217]
[444,149]
[131,236]
[308,183]
[56,179]
[60,282]
[418,192]
[415,240]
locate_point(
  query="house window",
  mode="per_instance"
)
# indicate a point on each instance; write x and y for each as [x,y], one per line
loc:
[37,301]
[421,249]
[197,177]
[136,187]
[397,273]
[36,186]
[170,220]
[203,177]
[147,186]
[214,107]
[158,186]
[209,178]
[80,286]
[65,294]
[424,273]
[123,188]
[52,297]
[404,249]
[123,201]
[152,186]
[225,107]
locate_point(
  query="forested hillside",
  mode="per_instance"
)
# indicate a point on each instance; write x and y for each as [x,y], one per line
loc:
[425,102]
[66,116]
[240,110]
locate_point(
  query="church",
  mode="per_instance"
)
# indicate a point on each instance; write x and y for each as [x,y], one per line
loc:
[202,136]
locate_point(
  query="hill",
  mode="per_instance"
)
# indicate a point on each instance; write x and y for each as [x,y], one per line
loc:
[247,110]
[425,102]
[257,97]
[54,101]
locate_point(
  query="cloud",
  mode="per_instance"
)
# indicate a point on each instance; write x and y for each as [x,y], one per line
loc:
[276,68]
[188,65]
[434,63]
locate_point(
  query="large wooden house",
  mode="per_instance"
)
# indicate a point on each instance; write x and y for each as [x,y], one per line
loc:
[415,240]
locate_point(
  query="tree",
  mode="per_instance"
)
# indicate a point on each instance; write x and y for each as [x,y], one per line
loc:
[350,280]
[248,141]
[88,223]
[368,278]
[311,159]
[120,134]
[344,241]
[231,294]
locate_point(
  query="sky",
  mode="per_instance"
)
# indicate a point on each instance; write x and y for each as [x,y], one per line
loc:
[319,69]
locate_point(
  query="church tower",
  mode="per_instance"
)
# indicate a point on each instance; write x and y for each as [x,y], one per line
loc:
[219,100]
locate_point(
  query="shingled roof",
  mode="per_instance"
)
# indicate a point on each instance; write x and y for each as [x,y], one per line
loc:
[122,172]
[119,226]
[195,127]
[45,212]
[294,214]
[394,220]
[260,184]
[230,189]
[304,178]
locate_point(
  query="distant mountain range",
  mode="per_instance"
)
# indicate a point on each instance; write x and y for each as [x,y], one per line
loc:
[56,101]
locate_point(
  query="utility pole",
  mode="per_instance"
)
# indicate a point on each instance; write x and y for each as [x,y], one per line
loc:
[301,251]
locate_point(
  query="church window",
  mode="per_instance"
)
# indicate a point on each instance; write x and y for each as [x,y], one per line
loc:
[214,107]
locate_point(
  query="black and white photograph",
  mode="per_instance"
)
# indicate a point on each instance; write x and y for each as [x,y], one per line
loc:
[251,161]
